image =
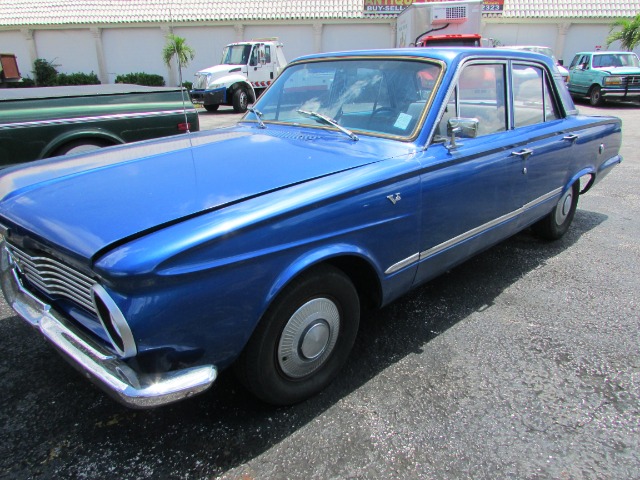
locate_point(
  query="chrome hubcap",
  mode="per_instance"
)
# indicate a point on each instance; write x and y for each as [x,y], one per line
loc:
[564,207]
[309,337]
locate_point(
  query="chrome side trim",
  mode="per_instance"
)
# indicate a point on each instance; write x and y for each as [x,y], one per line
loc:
[478,230]
[96,118]
[471,233]
[402,263]
[129,387]
[541,199]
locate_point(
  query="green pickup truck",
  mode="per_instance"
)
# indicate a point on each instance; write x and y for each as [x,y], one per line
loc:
[605,75]
[44,122]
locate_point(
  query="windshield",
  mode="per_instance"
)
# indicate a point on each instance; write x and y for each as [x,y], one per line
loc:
[377,96]
[236,55]
[615,60]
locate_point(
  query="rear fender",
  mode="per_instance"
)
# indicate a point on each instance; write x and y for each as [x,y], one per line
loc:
[83,134]
[585,177]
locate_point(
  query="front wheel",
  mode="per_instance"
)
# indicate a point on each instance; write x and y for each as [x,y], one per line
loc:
[595,96]
[557,222]
[303,339]
[240,101]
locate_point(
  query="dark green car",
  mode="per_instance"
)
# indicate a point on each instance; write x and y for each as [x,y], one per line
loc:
[44,122]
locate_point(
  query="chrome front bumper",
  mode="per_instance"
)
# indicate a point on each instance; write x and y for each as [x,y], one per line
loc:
[109,372]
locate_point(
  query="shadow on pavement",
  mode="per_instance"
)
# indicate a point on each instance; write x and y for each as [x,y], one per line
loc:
[55,424]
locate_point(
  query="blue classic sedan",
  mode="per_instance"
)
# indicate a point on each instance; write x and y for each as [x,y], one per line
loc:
[355,177]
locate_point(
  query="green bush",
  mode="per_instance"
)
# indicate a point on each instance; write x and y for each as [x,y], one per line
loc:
[148,79]
[45,73]
[78,79]
[25,83]
[187,85]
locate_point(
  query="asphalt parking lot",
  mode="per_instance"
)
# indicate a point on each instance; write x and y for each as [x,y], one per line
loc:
[522,363]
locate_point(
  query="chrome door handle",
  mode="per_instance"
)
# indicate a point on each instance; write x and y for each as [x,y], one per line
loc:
[524,154]
[572,137]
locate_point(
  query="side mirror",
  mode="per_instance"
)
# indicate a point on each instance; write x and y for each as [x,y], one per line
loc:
[463,128]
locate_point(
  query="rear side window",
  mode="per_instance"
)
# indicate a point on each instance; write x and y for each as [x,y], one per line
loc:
[532,100]
[481,95]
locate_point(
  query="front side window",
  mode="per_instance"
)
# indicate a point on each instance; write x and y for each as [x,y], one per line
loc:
[532,101]
[375,96]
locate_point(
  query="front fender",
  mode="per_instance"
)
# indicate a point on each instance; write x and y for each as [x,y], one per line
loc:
[315,257]
[80,134]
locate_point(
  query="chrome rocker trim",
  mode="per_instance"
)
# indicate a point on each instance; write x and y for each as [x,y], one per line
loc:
[114,376]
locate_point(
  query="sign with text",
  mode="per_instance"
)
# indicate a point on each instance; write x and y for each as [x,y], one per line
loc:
[395,7]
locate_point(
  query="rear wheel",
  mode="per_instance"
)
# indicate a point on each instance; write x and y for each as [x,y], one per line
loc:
[303,339]
[211,108]
[557,222]
[595,96]
[240,101]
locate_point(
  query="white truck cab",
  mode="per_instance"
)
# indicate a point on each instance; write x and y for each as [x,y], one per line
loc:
[245,71]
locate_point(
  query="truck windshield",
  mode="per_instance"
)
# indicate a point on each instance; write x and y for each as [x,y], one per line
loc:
[615,60]
[381,96]
[236,55]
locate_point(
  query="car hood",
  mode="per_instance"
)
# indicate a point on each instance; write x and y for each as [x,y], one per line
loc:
[621,70]
[85,203]
[219,70]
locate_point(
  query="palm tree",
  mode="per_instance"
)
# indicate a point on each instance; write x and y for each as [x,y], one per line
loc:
[628,36]
[177,46]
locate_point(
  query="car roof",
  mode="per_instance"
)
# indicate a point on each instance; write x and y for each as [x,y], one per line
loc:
[446,54]
[605,52]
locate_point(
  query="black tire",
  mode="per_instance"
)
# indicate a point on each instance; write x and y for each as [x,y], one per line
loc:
[211,108]
[303,339]
[240,101]
[595,96]
[557,222]
[81,146]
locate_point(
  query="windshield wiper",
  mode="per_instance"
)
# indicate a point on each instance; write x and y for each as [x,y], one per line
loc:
[258,115]
[330,121]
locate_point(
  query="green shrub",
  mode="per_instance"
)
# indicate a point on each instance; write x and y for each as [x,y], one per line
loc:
[25,83]
[78,79]
[148,79]
[45,73]
[187,85]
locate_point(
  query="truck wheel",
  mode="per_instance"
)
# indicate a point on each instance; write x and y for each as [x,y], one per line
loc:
[303,339]
[211,108]
[80,146]
[240,101]
[557,222]
[595,96]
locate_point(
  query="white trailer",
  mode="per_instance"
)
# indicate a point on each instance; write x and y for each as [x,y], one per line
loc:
[431,23]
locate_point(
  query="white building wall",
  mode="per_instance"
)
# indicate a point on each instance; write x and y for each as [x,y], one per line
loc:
[357,36]
[207,43]
[297,39]
[14,41]
[133,50]
[523,34]
[130,49]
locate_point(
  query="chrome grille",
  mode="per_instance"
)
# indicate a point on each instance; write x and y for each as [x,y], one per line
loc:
[201,81]
[633,81]
[53,278]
